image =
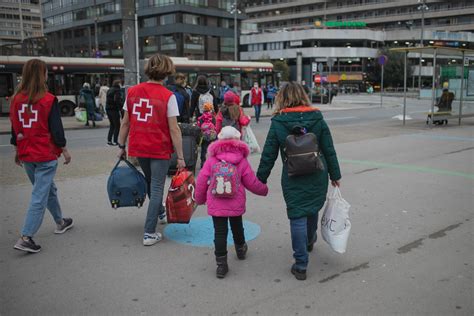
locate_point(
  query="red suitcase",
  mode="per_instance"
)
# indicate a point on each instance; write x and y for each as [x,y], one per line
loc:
[180,203]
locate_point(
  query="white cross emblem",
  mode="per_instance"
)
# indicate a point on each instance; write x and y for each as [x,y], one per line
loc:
[143,110]
[25,118]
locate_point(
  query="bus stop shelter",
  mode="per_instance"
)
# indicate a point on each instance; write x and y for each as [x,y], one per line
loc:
[436,52]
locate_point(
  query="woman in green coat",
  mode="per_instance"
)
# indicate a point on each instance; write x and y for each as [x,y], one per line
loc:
[304,195]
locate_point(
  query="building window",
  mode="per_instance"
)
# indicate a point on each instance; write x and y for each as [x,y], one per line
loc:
[227,44]
[191,19]
[196,3]
[168,42]
[149,22]
[155,3]
[167,19]
[150,46]
[194,42]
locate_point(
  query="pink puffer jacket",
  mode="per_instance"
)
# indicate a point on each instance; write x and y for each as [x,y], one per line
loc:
[235,152]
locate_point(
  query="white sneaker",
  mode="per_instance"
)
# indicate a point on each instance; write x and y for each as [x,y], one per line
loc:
[151,239]
[162,219]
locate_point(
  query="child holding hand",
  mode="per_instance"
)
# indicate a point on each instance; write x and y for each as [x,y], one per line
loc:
[222,183]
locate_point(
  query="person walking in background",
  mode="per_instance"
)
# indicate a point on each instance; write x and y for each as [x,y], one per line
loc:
[221,184]
[202,94]
[271,93]
[304,195]
[207,123]
[103,97]
[231,114]
[256,100]
[114,103]
[222,91]
[176,85]
[152,129]
[38,137]
[86,98]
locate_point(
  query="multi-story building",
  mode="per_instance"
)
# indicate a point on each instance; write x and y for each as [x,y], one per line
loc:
[20,20]
[198,29]
[352,32]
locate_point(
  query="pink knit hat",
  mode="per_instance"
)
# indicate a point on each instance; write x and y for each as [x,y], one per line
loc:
[231,98]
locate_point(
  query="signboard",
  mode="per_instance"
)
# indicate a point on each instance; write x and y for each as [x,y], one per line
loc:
[382,60]
[345,24]
[318,78]
[470,83]
[320,67]
[296,43]
[314,67]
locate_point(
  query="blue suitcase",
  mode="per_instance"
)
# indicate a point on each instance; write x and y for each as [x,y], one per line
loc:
[126,186]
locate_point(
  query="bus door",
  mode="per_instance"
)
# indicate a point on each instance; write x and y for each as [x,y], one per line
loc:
[7,89]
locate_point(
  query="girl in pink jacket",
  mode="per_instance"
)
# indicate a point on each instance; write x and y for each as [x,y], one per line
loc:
[221,183]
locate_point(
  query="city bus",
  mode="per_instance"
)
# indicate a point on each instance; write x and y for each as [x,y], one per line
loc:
[67,75]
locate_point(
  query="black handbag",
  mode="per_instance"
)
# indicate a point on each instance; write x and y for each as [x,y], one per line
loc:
[302,154]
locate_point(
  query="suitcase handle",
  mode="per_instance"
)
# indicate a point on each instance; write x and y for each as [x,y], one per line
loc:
[129,164]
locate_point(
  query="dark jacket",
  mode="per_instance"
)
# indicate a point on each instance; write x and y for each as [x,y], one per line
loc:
[114,99]
[304,195]
[89,99]
[195,100]
[183,117]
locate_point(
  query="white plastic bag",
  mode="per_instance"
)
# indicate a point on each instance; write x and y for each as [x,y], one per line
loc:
[250,139]
[335,223]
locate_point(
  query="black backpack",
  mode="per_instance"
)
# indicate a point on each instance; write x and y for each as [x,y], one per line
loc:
[302,154]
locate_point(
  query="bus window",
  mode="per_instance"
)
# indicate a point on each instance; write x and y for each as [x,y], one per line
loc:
[235,80]
[6,85]
[248,78]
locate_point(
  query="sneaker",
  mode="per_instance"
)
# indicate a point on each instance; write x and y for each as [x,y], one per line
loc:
[151,239]
[162,219]
[114,144]
[66,225]
[110,144]
[27,245]
[299,274]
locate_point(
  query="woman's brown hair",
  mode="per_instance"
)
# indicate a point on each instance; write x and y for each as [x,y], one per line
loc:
[234,111]
[33,80]
[291,95]
[159,67]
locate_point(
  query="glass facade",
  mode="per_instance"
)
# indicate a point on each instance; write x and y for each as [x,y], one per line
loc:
[74,30]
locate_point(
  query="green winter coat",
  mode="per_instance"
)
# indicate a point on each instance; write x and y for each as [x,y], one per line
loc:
[304,195]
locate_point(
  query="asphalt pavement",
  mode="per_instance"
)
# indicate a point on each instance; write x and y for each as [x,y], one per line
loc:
[410,251]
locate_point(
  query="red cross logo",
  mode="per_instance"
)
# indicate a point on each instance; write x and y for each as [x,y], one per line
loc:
[143,110]
[27,117]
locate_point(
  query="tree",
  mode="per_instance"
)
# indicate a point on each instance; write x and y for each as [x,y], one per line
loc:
[282,67]
[393,69]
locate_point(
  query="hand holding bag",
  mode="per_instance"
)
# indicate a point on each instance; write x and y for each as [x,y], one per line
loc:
[335,223]
[250,139]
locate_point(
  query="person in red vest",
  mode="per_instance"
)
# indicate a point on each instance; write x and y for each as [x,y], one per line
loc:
[256,100]
[150,123]
[38,137]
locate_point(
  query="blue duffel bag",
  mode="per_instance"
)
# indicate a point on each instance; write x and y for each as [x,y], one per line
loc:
[126,186]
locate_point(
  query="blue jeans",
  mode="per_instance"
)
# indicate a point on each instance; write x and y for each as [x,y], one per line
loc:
[155,171]
[303,233]
[44,194]
[258,110]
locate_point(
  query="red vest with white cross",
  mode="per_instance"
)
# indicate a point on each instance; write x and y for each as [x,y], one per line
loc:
[147,106]
[31,127]
[257,96]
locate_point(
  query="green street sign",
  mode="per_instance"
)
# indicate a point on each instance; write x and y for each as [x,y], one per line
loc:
[345,24]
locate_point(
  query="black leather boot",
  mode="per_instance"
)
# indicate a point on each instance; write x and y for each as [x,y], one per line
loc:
[222,267]
[241,251]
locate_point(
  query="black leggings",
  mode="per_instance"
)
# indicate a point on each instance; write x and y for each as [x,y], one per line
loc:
[221,228]
[114,118]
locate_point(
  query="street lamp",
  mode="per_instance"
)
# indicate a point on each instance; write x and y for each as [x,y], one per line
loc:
[235,10]
[421,7]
